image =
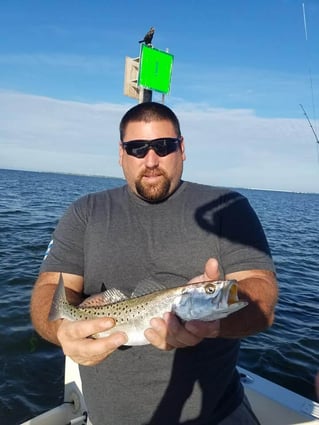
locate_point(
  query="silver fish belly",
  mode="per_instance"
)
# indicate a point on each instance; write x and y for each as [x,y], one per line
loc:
[207,301]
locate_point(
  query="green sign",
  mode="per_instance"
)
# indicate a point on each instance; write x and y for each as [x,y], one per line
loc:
[155,69]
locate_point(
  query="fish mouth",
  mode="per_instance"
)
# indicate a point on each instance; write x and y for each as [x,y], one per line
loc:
[233,294]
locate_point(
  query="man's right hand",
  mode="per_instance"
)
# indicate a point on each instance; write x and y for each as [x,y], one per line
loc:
[74,337]
[76,342]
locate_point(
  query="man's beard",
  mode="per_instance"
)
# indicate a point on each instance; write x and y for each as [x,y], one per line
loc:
[153,192]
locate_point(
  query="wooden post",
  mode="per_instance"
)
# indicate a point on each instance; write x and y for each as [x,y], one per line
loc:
[145,95]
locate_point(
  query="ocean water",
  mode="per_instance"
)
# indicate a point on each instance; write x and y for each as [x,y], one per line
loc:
[31,370]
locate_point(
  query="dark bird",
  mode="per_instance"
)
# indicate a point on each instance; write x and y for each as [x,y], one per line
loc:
[148,37]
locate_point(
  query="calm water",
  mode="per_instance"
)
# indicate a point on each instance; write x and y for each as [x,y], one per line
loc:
[31,370]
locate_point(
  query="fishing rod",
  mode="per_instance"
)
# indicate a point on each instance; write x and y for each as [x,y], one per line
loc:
[313,130]
[310,79]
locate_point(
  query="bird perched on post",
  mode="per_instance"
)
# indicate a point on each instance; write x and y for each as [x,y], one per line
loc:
[148,37]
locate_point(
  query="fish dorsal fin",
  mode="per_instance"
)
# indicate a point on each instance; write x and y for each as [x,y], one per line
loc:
[145,287]
[109,296]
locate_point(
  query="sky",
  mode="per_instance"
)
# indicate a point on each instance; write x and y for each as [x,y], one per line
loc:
[241,70]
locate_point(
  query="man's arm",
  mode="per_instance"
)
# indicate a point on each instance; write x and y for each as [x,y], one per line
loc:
[259,288]
[73,337]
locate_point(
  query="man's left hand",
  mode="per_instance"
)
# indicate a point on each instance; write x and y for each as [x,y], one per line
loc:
[169,332]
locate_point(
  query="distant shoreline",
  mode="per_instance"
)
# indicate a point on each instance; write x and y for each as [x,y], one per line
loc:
[120,178]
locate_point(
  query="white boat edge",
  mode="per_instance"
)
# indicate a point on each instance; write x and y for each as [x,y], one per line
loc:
[272,404]
[276,405]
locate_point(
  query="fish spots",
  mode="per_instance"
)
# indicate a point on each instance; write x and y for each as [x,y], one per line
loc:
[209,300]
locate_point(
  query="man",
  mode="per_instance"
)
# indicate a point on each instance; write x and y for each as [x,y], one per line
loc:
[159,229]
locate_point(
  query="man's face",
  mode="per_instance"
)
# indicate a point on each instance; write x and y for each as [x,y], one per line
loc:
[152,178]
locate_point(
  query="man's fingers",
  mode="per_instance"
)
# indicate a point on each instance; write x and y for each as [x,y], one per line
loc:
[203,329]
[83,328]
[169,332]
[77,344]
[211,270]
[157,334]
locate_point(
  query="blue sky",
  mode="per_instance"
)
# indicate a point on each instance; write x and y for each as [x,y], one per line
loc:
[241,69]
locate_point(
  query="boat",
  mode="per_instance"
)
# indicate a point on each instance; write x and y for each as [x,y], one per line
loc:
[272,403]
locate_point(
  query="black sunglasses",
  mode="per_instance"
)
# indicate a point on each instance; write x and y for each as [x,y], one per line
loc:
[162,146]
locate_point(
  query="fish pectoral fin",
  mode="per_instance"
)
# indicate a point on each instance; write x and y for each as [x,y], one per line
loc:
[109,296]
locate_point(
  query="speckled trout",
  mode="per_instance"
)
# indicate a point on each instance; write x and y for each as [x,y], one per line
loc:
[209,300]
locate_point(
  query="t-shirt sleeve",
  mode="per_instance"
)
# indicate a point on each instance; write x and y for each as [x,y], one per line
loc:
[243,242]
[65,252]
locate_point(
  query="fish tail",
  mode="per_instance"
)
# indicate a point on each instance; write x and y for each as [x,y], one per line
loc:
[58,302]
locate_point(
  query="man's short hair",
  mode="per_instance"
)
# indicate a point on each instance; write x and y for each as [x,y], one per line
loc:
[147,112]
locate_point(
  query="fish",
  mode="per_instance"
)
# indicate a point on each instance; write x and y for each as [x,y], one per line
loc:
[205,300]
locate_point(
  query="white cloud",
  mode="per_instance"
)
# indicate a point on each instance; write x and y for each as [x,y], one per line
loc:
[224,147]
[43,123]
[236,148]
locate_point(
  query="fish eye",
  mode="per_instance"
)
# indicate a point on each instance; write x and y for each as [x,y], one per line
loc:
[210,288]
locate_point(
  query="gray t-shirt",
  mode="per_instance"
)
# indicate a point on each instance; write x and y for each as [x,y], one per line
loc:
[114,237]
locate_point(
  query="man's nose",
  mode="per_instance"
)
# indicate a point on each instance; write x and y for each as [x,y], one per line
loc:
[151,159]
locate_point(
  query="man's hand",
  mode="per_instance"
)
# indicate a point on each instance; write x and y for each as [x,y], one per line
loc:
[74,337]
[76,343]
[168,332]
